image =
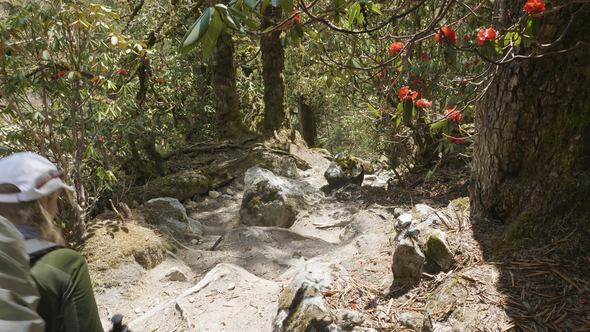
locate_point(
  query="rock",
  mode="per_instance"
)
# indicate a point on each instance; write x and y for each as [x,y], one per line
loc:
[214,194]
[271,200]
[398,211]
[117,251]
[176,275]
[325,153]
[408,261]
[169,212]
[211,306]
[412,320]
[347,319]
[404,221]
[302,305]
[437,250]
[149,257]
[230,192]
[348,192]
[182,185]
[423,210]
[343,170]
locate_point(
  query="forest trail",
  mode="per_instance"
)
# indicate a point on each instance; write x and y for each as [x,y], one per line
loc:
[231,279]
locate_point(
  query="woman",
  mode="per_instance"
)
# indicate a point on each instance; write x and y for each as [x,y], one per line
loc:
[30,186]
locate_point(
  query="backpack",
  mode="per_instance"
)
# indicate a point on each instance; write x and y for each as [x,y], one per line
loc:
[37,248]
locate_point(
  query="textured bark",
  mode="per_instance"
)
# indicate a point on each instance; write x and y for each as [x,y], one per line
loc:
[224,88]
[532,157]
[307,122]
[273,60]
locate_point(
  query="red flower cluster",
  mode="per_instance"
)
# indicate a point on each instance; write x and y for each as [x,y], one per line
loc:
[425,57]
[532,7]
[423,103]
[452,114]
[296,16]
[485,34]
[405,93]
[396,47]
[122,72]
[456,140]
[448,34]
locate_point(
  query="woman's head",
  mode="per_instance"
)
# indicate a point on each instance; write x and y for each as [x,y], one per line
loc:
[29,189]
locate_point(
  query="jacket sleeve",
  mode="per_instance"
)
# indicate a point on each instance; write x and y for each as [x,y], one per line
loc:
[18,293]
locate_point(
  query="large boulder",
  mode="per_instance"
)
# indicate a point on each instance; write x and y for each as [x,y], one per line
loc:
[169,212]
[344,169]
[271,200]
[182,185]
[302,306]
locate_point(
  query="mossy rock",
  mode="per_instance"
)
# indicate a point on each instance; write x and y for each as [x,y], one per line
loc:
[437,250]
[182,185]
[111,243]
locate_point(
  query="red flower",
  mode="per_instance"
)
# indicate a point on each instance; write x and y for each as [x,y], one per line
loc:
[381,75]
[423,103]
[396,47]
[485,34]
[405,93]
[100,140]
[122,72]
[425,57]
[296,16]
[448,35]
[532,7]
[456,140]
[466,38]
[452,114]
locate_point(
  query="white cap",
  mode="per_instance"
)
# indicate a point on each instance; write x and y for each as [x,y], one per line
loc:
[34,175]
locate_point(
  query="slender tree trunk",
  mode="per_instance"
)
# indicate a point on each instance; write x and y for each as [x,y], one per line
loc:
[273,60]
[227,103]
[532,157]
[307,122]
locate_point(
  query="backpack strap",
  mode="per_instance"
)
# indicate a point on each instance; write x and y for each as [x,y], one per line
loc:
[37,248]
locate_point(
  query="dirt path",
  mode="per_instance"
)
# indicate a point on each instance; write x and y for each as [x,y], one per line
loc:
[323,230]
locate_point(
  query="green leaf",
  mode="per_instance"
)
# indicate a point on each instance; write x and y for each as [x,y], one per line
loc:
[353,12]
[512,37]
[210,39]
[438,125]
[373,110]
[286,5]
[329,80]
[197,31]
[408,111]
[375,8]
[226,16]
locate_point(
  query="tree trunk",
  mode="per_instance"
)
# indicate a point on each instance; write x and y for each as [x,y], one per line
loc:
[307,123]
[273,58]
[227,103]
[531,161]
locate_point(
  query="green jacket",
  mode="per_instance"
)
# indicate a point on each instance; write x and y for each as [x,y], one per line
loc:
[67,300]
[18,296]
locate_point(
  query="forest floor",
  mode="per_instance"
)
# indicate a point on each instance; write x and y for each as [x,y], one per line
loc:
[486,290]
